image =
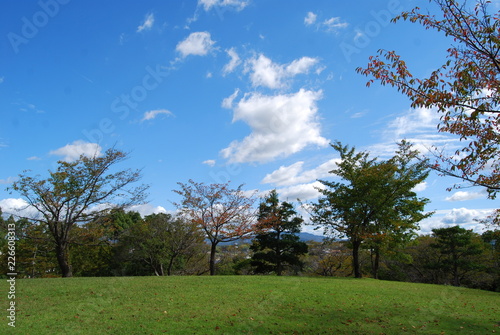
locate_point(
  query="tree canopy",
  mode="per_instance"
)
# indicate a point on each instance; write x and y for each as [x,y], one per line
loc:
[77,192]
[374,200]
[464,90]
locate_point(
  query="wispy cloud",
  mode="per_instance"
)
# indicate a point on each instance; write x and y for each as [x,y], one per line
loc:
[149,20]
[233,62]
[334,24]
[464,196]
[236,4]
[209,162]
[154,113]
[310,18]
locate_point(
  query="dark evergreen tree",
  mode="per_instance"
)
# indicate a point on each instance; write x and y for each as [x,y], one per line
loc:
[276,246]
[457,248]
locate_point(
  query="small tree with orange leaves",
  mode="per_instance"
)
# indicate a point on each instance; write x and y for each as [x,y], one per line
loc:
[224,214]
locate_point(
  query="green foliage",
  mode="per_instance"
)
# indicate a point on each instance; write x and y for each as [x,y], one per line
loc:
[457,250]
[374,203]
[276,245]
[78,192]
[163,242]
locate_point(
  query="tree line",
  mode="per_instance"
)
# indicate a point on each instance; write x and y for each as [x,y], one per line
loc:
[370,211]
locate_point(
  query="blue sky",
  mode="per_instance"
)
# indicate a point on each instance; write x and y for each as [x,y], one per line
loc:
[251,91]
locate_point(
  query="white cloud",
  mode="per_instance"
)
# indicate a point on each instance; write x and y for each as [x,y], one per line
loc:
[233,62]
[17,207]
[228,102]
[281,125]
[294,174]
[284,175]
[209,162]
[7,181]
[154,113]
[303,192]
[334,24]
[2,79]
[464,196]
[310,18]
[147,209]
[236,4]
[33,158]
[461,216]
[198,44]
[73,151]
[149,20]
[264,72]
[420,187]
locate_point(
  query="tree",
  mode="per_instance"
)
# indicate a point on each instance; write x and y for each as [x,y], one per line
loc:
[465,90]
[276,245]
[76,193]
[374,201]
[162,242]
[223,213]
[456,246]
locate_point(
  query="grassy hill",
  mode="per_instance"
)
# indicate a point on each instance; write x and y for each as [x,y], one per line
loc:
[247,305]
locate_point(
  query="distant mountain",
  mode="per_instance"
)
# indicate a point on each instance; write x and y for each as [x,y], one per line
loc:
[303,237]
[311,237]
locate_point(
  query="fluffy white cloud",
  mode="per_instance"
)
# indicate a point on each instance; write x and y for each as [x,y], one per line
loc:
[73,151]
[420,187]
[464,196]
[303,192]
[264,72]
[233,62]
[147,209]
[294,174]
[281,125]
[310,18]
[463,217]
[149,20]
[198,43]
[19,207]
[154,113]
[236,4]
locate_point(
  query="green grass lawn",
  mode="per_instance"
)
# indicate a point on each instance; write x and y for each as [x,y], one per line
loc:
[247,305]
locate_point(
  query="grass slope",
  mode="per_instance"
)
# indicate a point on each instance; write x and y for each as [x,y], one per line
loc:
[247,305]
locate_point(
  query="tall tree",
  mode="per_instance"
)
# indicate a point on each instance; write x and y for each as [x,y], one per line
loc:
[76,193]
[276,245]
[223,213]
[373,200]
[465,90]
[456,247]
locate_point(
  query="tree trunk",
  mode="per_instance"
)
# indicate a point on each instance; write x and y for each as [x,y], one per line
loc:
[213,250]
[63,260]
[375,262]
[355,258]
